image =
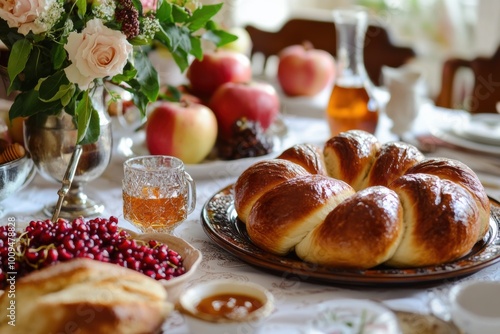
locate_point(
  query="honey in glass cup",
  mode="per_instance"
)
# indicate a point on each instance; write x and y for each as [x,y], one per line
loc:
[158,194]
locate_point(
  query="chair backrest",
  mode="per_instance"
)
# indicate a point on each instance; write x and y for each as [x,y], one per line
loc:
[379,50]
[485,92]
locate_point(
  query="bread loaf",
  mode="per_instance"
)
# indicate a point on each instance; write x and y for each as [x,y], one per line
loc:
[284,215]
[305,155]
[86,297]
[350,155]
[361,232]
[263,175]
[460,174]
[391,161]
[408,211]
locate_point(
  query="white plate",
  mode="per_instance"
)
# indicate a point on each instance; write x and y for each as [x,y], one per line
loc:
[446,133]
[208,169]
[480,128]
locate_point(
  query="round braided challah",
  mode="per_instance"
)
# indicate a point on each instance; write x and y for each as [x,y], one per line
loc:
[359,204]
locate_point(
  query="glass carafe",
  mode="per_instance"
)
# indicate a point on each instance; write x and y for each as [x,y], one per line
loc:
[351,104]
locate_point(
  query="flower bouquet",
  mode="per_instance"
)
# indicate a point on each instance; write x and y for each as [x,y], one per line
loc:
[62,51]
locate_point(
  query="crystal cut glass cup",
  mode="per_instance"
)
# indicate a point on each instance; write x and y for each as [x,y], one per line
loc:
[158,194]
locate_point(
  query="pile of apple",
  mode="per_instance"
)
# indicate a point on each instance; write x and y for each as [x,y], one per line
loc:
[221,92]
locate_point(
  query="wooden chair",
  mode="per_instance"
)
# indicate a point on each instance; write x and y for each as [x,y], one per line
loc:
[485,92]
[379,50]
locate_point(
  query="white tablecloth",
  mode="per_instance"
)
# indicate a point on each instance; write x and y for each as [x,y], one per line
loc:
[294,298]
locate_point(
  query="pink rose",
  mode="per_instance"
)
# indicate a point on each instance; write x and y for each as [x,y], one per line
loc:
[149,5]
[22,14]
[96,52]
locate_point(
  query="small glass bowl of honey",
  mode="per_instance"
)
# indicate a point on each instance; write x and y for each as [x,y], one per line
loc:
[226,306]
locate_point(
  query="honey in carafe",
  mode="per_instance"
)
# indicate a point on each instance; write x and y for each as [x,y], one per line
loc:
[350,108]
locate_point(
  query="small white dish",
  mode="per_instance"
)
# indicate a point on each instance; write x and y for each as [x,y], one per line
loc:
[201,322]
[351,316]
[475,307]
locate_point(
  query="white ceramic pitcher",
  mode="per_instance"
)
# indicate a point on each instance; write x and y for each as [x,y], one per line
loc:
[406,88]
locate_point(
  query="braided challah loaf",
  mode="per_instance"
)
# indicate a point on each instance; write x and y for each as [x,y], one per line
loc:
[359,204]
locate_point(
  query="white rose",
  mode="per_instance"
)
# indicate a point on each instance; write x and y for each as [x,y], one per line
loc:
[96,52]
[22,14]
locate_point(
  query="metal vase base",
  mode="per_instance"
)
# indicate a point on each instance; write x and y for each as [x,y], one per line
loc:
[76,204]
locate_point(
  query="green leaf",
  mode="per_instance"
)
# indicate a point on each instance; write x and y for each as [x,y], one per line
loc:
[141,101]
[219,37]
[196,49]
[128,73]
[54,87]
[70,108]
[28,103]
[179,14]
[58,55]
[140,40]
[163,37]
[147,77]
[181,59]
[82,7]
[93,130]
[179,37]
[83,114]
[202,15]
[39,65]
[164,12]
[68,97]
[18,58]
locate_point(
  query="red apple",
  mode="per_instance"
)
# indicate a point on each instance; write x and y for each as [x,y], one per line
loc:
[257,101]
[185,130]
[305,71]
[217,68]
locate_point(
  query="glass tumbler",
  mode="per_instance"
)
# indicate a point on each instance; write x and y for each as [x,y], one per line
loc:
[158,194]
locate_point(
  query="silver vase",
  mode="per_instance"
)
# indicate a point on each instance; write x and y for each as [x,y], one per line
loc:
[51,142]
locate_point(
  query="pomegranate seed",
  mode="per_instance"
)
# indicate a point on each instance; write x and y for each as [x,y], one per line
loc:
[126,244]
[51,256]
[69,244]
[174,260]
[64,255]
[31,256]
[133,264]
[149,260]
[80,244]
[150,273]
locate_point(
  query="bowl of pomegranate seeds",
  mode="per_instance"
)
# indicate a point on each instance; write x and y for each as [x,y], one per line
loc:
[181,261]
[166,258]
